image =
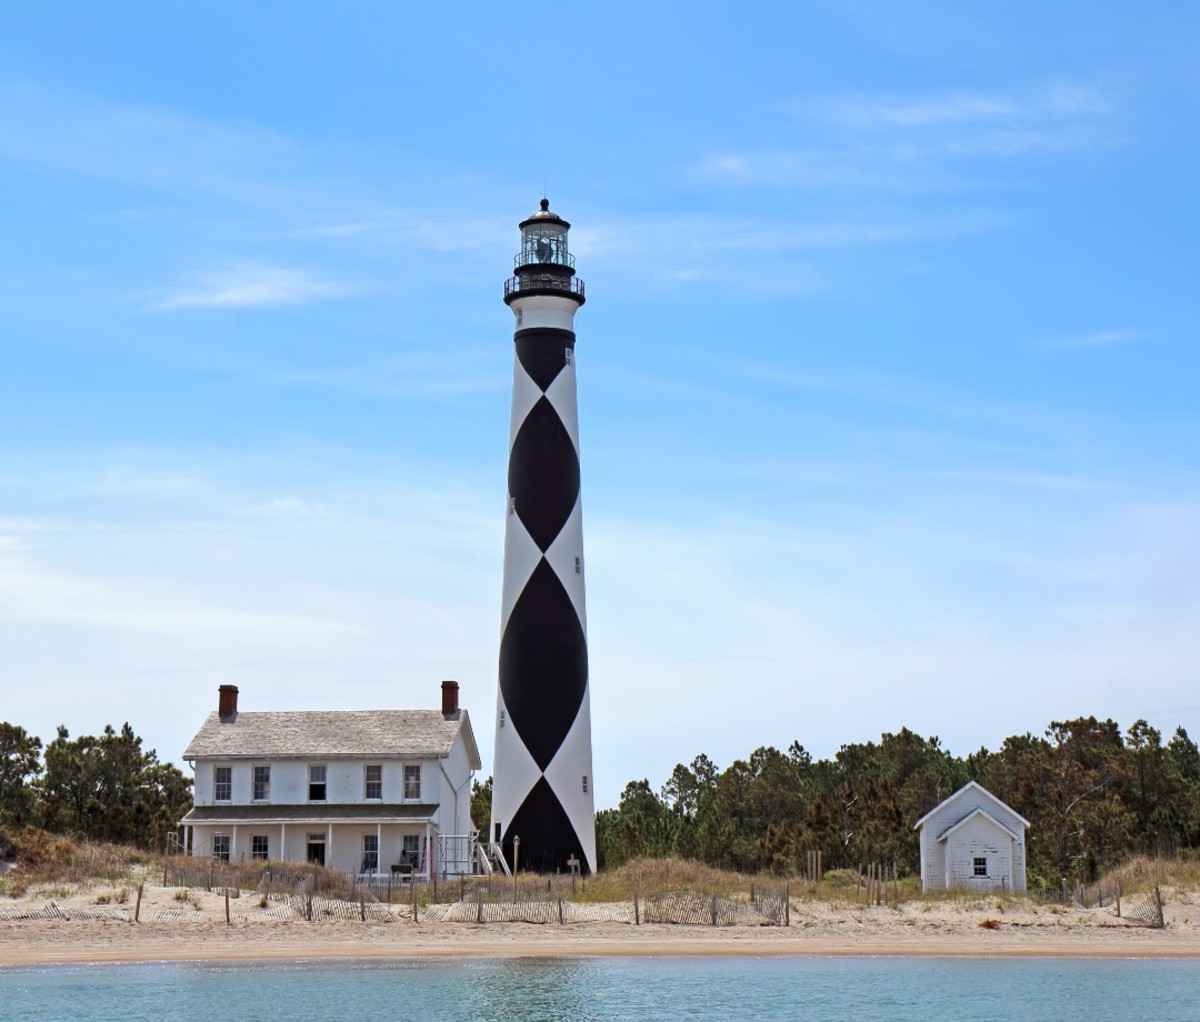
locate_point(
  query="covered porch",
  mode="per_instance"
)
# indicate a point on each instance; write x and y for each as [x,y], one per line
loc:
[372,840]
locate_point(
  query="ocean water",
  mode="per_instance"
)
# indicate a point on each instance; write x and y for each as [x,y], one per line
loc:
[604,989]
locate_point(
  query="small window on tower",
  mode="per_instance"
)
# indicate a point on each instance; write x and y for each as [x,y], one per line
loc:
[576,565]
[585,784]
[512,505]
[568,354]
[501,720]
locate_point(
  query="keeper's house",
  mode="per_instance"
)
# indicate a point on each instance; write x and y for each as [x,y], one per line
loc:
[973,840]
[361,791]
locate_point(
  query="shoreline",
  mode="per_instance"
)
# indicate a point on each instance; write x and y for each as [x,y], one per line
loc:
[86,942]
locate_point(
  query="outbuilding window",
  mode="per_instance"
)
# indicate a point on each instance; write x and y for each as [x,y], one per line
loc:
[980,866]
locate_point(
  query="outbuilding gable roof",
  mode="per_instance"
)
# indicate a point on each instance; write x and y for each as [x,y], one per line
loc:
[970,816]
[969,786]
[332,733]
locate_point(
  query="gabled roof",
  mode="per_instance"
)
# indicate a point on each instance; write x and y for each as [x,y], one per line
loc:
[332,733]
[969,786]
[970,816]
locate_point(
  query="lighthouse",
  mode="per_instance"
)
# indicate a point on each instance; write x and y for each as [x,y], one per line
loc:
[542,785]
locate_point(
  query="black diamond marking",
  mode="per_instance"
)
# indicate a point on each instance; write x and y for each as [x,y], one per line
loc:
[543,664]
[547,838]
[543,353]
[543,474]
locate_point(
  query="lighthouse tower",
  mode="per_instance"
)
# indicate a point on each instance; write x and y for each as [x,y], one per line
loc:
[542,790]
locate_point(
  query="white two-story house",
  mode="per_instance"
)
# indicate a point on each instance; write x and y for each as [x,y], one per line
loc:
[361,791]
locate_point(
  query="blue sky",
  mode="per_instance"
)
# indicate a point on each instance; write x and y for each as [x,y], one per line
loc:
[887,372]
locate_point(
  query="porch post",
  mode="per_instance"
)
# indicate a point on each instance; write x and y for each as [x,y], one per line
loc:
[329,845]
[233,845]
[281,857]
[378,848]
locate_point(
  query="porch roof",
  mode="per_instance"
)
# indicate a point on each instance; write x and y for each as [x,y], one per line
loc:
[407,812]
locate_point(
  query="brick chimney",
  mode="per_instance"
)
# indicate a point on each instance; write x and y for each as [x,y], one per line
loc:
[449,698]
[227,703]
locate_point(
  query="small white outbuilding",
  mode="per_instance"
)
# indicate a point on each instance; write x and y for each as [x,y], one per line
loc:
[972,840]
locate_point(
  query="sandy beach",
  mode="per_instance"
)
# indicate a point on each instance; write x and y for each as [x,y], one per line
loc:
[178,925]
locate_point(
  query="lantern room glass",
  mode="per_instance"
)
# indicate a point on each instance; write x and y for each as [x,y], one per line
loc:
[544,243]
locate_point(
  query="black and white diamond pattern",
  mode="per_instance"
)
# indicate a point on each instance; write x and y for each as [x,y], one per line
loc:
[543,739]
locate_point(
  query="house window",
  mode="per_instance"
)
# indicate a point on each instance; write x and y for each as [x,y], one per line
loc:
[373,782]
[260,847]
[316,783]
[980,866]
[221,847]
[222,783]
[262,783]
[370,859]
[410,850]
[412,782]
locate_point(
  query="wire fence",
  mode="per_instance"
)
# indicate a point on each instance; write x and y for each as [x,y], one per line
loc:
[313,893]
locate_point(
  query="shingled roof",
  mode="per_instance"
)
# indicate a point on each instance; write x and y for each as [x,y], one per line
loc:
[331,733]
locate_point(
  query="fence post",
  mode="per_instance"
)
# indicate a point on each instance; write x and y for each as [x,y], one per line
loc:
[713,907]
[479,903]
[1158,902]
[362,907]
[637,915]
[1118,899]
[560,914]
[137,909]
[227,906]
[787,904]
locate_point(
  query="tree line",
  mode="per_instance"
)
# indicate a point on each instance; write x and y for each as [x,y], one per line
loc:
[1093,796]
[102,787]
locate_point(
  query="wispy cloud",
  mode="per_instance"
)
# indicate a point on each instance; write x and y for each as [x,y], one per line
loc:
[890,112]
[144,145]
[428,374]
[917,142]
[247,285]
[1096,339]
[732,234]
